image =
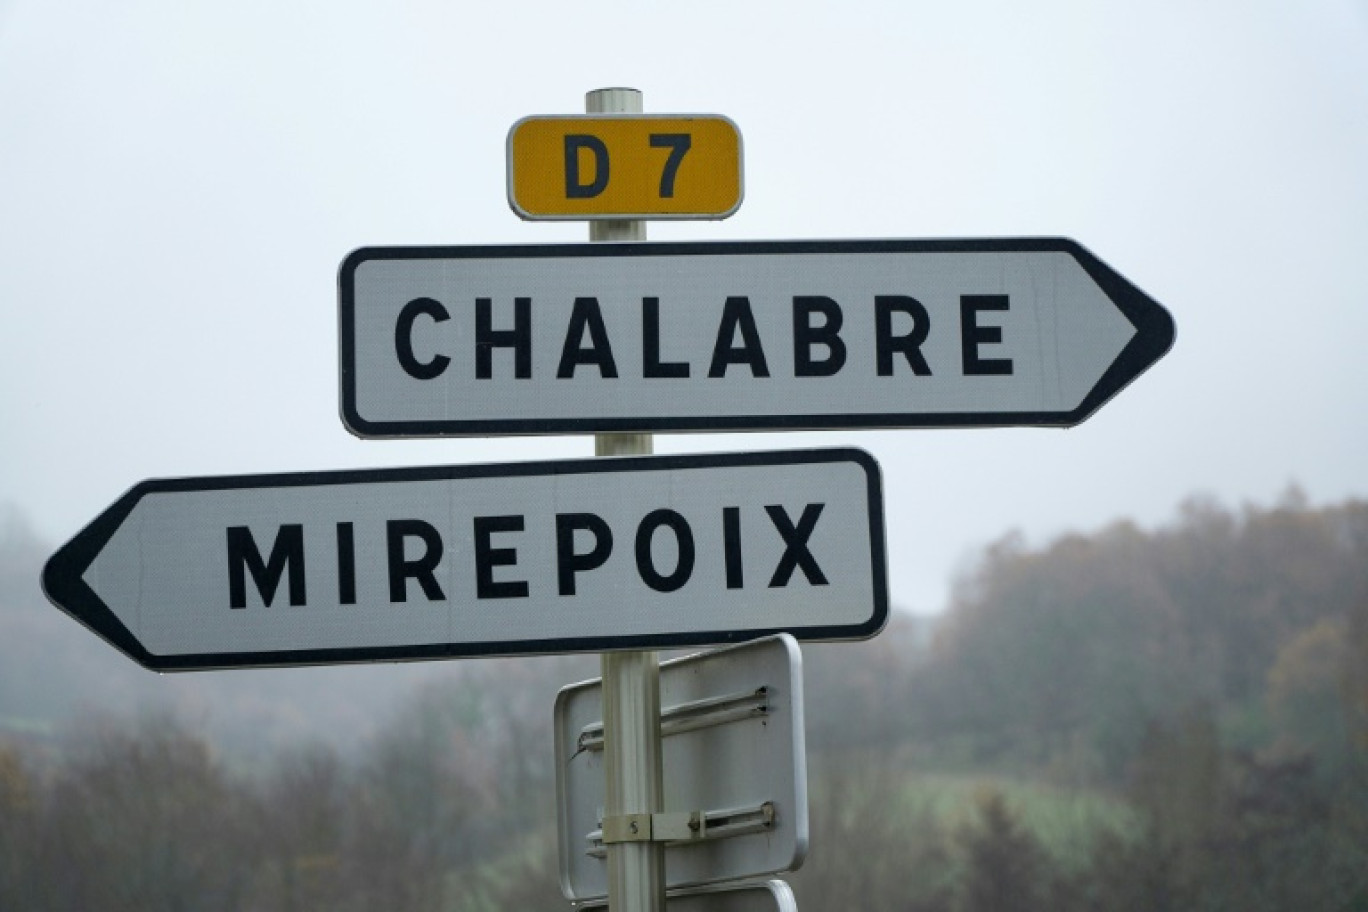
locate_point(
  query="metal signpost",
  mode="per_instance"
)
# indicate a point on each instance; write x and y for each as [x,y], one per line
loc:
[633,779]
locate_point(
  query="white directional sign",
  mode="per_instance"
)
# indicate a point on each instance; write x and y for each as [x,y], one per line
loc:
[736,336]
[541,557]
[734,770]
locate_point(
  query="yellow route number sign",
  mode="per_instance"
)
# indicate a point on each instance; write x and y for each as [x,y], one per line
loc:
[624,166]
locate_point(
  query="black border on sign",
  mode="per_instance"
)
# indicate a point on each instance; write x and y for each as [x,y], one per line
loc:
[1154,337]
[65,587]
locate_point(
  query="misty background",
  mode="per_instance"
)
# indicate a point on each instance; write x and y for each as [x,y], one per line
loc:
[180,182]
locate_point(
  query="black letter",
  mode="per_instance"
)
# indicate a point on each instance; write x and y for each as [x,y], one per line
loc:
[568,563]
[796,553]
[805,336]
[243,555]
[736,313]
[573,188]
[346,564]
[487,557]
[403,338]
[400,568]
[519,338]
[910,345]
[586,315]
[652,367]
[731,546]
[678,144]
[972,335]
[683,537]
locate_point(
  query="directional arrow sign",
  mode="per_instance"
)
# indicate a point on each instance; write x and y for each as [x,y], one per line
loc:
[575,556]
[736,336]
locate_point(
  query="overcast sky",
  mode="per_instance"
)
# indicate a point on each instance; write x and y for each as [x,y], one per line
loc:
[179,182]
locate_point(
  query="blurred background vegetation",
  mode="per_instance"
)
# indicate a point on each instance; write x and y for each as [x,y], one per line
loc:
[1131,719]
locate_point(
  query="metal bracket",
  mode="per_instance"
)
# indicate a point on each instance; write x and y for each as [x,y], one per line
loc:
[680,827]
[660,827]
[692,716]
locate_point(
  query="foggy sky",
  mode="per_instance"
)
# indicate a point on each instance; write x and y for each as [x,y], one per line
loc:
[180,182]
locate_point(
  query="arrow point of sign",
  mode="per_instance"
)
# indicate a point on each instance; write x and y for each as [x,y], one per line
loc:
[64,583]
[1155,331]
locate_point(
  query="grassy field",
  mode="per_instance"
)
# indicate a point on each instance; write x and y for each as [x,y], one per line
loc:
[1065,822]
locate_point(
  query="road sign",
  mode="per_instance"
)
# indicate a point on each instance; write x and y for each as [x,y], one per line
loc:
[766,896]
[624,166]
[733,767]
[538,557]
[736,336]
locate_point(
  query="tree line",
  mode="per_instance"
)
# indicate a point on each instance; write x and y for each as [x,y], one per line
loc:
[1193,700]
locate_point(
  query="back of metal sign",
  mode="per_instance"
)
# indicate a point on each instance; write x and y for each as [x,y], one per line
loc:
[734,765]
[768,896]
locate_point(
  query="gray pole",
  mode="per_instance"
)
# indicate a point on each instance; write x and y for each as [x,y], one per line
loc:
[631,680]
